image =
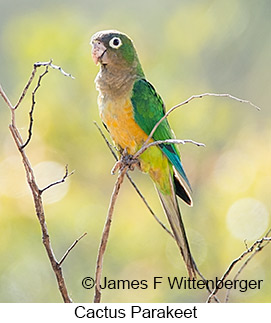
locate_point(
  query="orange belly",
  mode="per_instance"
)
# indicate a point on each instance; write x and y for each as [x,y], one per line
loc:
[119,119]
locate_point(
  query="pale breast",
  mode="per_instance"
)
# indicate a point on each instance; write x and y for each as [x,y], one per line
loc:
[119,119]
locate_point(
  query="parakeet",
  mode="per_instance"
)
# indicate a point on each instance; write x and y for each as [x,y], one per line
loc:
[130,107]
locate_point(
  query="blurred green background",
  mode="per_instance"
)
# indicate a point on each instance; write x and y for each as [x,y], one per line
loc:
[186,47]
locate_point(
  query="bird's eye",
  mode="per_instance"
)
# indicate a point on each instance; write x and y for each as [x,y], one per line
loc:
[115,42]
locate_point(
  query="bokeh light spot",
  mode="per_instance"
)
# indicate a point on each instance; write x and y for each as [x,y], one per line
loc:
[247,219]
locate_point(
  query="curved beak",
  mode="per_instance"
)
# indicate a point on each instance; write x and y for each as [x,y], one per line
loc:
[98,49]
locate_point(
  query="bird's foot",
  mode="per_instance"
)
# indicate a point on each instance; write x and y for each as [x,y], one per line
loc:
[130,161]
[126,160]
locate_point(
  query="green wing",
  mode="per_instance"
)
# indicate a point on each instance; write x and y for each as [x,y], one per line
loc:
[148,110]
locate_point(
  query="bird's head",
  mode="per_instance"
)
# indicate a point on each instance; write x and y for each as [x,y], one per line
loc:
[114,50]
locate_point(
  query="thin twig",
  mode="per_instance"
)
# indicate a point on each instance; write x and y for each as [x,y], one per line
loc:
[259,248]
[26,87]
[104,239]
[167,141]
[207,286]
[239,272]
[235,261]
[6,99]
[198,96]
[36,65]
[33,105]
[149,208]
[107,142]
[62,180]
[71,247]
[49,63]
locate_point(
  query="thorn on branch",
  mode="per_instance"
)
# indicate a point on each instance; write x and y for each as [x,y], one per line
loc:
[62,180]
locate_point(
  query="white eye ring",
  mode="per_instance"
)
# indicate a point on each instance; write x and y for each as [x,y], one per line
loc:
[115,42]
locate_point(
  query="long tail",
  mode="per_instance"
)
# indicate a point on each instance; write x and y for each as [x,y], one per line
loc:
[173,213]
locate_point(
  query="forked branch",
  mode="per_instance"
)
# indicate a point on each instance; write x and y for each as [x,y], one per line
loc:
[36,192]
[256,247]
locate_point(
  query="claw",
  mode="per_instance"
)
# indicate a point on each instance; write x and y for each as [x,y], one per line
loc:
[116,167]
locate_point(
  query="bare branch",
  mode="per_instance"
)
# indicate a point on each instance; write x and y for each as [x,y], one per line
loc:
[36,192]
[26,87]
[103,243]
[6,99]
[199,96]
[38,64]
[258,249]
[256,245]
[107,142]
[33,103]
[71,247]
[148,207]
[239,272]
[167,141]
[62,180]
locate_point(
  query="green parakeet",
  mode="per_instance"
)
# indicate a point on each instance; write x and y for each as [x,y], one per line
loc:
[130,107]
